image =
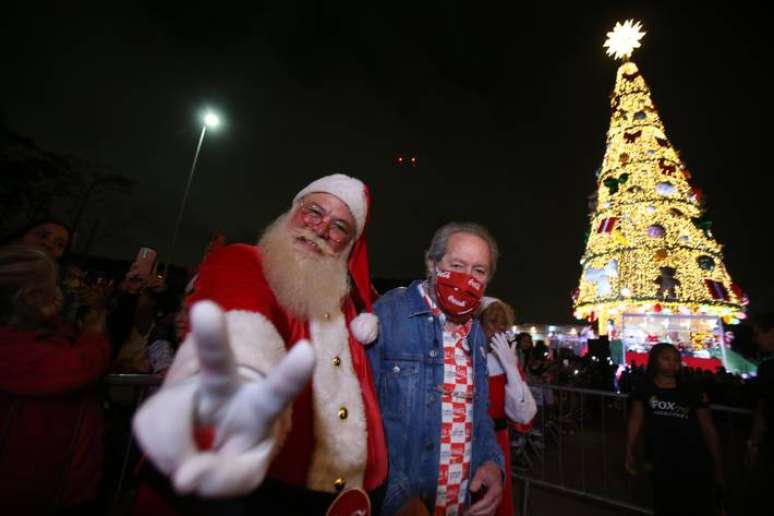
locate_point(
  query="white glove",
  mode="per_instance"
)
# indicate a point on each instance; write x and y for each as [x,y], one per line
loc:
[241,408]
[504,352]
[519,403]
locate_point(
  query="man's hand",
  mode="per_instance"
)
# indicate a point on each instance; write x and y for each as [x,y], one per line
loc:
[240,411]
[488,477]
[503,351]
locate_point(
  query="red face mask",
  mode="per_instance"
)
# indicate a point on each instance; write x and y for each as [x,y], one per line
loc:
[458,293]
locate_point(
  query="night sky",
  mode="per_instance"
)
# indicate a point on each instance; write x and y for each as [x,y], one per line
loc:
[505,108]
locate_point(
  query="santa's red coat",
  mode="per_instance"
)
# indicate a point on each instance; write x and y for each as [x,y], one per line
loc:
[320,446]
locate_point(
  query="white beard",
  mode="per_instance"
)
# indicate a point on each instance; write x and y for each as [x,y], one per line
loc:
[306,285]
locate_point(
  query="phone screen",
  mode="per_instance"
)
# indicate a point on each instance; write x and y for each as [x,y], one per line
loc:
[145,261]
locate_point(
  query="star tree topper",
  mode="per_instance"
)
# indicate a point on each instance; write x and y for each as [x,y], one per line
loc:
[624,38]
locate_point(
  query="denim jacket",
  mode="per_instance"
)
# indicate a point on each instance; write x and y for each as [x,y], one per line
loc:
[407,365]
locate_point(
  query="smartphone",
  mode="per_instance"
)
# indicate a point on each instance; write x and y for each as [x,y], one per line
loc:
[145,263]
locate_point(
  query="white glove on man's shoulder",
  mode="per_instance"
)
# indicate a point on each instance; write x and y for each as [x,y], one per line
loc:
[519,404]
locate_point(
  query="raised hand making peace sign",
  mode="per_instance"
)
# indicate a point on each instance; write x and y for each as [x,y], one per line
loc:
[236,404]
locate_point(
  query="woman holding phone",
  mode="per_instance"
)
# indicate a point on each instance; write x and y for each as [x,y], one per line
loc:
[51,441]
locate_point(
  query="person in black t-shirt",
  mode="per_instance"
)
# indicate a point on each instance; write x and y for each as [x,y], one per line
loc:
[760,445]
[681,444]
[763,335]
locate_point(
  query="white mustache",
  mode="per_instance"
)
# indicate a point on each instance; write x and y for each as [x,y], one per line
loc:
[310,236]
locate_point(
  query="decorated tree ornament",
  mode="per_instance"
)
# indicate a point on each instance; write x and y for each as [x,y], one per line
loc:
[623,159]
[607,224]
[640,116]
[661,255]
[667,168]
[667,284]
[704,224]
[706,263]
[716,289]
[650,209]
[622,41]
[656,231]
[612,183]
[633,136]
[601,277]
[619,238]
[665,189]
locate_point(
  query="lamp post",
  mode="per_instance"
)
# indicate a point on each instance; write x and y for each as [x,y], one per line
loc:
[210,120]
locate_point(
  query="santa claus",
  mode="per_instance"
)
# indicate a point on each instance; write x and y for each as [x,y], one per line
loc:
[237,416]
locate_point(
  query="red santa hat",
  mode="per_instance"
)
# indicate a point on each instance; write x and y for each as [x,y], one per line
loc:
[354,193]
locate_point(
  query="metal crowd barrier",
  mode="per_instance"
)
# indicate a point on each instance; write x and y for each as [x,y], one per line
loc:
[576,446]
[127,391]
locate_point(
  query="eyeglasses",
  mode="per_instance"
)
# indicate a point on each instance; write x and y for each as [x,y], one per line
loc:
[314,215]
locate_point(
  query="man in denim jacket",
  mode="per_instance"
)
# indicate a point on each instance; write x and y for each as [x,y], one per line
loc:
[429,368]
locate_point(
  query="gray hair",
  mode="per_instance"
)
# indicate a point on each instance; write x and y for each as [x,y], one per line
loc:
[440,243]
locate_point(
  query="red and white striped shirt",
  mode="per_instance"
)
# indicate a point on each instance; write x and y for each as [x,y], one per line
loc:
[456,415]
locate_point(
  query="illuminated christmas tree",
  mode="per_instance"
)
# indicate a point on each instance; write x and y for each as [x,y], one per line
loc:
[650,247]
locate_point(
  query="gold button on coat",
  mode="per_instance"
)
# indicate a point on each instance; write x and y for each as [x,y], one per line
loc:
[343,413]
[336,361]
[339,484]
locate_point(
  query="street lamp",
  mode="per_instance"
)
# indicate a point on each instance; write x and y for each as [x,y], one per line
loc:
[210,120]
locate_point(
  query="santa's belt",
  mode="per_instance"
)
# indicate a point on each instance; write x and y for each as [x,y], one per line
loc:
[500,423]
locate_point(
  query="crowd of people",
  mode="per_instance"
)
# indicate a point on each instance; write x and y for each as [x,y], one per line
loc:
[291,386]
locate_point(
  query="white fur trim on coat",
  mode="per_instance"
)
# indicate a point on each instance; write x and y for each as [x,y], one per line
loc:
[365,327]
[340,444]
[257,346]
[164,426]
[253,338]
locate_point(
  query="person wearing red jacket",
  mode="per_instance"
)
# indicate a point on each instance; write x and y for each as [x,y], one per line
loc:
[51,435]
[269,406]
[510,400]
